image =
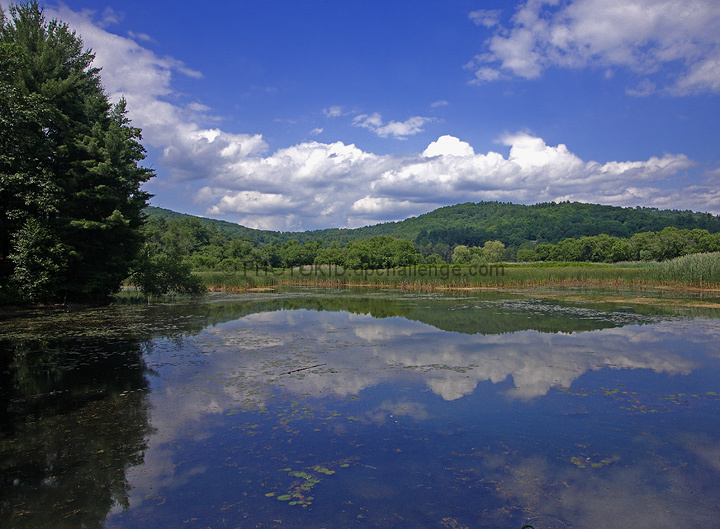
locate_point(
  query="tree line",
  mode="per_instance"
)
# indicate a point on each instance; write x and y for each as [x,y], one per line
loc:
[472,224]
[202,246]
[668,243]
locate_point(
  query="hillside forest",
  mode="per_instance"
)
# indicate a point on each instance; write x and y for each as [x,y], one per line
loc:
[462,234]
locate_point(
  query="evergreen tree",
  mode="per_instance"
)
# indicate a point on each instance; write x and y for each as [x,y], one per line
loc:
[69,174]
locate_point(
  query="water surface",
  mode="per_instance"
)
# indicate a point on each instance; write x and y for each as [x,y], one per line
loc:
[323,408]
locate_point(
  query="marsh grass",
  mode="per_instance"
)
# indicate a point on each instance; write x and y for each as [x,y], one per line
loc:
[701,269]
[217,281]
[428,277]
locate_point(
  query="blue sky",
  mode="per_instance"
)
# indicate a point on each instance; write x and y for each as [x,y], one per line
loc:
[299,115]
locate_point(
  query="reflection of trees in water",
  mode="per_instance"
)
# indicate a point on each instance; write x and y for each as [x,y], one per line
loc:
[74,419]
[486,314]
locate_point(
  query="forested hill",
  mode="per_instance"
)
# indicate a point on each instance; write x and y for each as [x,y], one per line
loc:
[472,224]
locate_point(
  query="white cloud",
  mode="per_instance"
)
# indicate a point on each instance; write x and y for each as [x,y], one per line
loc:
[448,146]
[372,122]
[340,185]
[140,36]
[110,17]
[647,36]
[396,129]
[333,111]
[644,88]
[145,80]
[440,103]
[486,17]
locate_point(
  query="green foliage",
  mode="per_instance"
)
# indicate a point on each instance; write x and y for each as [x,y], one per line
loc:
[206,247]
[461,255]
[493,251]
[381,251]
[526,255]
[158,274]
[69,171]
[434,259]
[647,246]
[39,261]
[516,226]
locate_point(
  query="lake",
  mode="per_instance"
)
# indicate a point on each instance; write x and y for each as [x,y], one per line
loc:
[356,408]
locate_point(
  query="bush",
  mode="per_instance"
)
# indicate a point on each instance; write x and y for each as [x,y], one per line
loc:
[160,274]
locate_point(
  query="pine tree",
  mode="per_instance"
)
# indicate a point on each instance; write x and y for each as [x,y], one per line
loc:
[70,182]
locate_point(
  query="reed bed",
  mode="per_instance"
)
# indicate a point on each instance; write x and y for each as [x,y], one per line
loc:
[429,277]
[701,270]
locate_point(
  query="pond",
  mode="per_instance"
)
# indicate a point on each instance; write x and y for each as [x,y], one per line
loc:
[348,408]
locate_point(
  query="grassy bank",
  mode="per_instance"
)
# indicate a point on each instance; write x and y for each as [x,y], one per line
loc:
[426,276]
[692,271]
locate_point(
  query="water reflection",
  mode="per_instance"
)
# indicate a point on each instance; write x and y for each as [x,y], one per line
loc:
[346,408]
[64,455]
[356,352]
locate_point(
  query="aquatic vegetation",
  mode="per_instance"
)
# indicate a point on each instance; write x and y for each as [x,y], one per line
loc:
[584,462]
[634,402]
[702,269]
[298,493]
[323,470]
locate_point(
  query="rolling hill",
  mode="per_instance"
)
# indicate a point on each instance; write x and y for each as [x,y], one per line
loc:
[474,223]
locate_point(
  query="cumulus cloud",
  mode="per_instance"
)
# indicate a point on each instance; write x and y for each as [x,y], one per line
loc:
[340,185]
[448,146]
[675,39]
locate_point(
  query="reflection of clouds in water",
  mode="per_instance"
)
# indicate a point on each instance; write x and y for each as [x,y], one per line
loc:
[616,497]
[706,449]
[379,331]
[452,364]
[403,408]
[362,352]
[357,352]
[239,363]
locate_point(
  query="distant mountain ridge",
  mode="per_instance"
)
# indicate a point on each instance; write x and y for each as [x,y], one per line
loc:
[474,223]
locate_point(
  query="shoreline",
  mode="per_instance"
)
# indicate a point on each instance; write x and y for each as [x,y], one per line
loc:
[575,290]
[613,291]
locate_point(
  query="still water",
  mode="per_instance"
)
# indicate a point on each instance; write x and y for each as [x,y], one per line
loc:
[328,409]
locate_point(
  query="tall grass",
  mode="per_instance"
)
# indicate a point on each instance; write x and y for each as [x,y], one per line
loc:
[695,270]
[237,281]
[426,276]
[700,269]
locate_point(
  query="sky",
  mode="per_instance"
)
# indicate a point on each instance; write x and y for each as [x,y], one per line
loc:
[293,116]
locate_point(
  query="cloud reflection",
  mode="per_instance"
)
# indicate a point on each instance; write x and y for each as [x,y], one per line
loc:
[336,355]
[357,352]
